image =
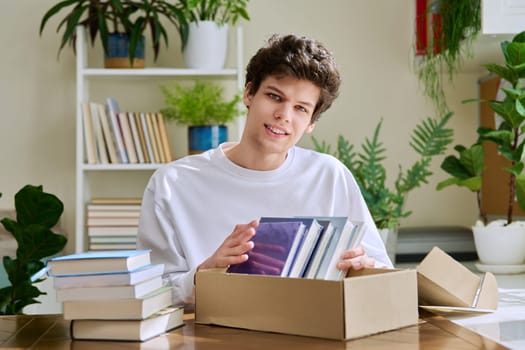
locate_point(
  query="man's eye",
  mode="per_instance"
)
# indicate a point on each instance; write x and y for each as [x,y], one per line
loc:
[274,97]
[302,109]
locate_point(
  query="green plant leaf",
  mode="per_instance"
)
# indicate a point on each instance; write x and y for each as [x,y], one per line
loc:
[34,206]
[520,190]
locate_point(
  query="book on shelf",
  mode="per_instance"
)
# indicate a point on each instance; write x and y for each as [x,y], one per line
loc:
[113,239]
[127,137]
[112,221]
[135,137]
[116,200]
[112,230]
[109,213]
[147,139]
[111,246]
[93,262]
[89,136]
[142,139]
[119,278]
[133,308]
[131,330]
[92,207]
[273,249]
[305,243]
[165,140]
[158,141]
[108,135]
[112,110]
[100,143]
[153,138]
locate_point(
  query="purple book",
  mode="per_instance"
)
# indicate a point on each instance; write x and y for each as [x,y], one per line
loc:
[273,248]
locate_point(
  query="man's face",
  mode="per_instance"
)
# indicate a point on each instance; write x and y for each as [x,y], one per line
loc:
[280,112]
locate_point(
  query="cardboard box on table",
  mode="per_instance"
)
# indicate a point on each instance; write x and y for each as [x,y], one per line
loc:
[365,302]
[446,286]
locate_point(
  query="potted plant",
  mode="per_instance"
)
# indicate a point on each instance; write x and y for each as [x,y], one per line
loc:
[204,32]
[203,109]
[387,205]
[37,212]
[500,244]
[120,25]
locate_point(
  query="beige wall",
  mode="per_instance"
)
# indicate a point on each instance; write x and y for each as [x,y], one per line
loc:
[372,43]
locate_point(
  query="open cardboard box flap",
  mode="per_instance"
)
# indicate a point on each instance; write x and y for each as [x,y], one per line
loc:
[444,282]
[372,301]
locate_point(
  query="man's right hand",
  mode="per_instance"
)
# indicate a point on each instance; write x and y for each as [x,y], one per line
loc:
[234,248]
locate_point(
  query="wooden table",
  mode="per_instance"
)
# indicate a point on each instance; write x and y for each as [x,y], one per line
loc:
[52,332]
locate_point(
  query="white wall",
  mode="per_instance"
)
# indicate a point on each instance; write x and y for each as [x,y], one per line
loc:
[372,41]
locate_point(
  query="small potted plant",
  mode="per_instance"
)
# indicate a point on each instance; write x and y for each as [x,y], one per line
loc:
[204,30]
[203,109]
[120,24]
[500,243]
[387,205]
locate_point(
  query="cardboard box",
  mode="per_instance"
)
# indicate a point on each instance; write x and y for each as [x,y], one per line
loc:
[445,284]
[366,302]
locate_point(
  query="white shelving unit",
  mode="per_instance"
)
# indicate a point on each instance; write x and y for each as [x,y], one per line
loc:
[85,74]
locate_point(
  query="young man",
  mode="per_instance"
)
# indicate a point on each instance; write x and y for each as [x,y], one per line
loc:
[191,206]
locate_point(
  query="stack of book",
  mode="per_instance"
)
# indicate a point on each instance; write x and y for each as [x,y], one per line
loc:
[301,247]
[114,295]
[112,136]
[112,223]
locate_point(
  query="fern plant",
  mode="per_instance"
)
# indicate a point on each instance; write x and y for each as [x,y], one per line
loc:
[429,138]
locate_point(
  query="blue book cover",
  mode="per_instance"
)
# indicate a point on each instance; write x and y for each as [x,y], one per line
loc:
[273,245]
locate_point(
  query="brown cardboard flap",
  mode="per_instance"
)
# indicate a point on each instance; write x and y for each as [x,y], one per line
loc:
[442,281]
[488,296]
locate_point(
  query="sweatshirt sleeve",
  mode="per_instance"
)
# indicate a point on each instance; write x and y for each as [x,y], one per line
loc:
[156,233]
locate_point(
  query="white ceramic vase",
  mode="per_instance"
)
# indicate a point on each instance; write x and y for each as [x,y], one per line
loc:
[207,45]
[500,245]
[389,237]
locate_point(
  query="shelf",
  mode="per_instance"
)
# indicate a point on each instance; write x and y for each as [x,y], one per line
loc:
[156,72]
[116,167]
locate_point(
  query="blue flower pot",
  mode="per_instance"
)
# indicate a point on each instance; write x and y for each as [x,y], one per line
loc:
[118,52]
[203,138]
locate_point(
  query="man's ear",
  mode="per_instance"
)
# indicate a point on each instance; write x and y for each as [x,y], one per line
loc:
[310,128]
[247,96]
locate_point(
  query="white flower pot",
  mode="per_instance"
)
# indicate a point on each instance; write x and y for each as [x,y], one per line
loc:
[500,245]
[207,45]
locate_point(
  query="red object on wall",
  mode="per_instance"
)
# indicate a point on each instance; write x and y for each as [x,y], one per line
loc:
[421,27]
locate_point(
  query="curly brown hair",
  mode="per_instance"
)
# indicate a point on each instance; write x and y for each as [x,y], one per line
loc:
[299,57]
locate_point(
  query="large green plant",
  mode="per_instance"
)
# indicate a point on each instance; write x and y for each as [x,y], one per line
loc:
[101,17]
[220,11]
[199,104]
[387,206]
[508,134]
[450,43]
[36,214]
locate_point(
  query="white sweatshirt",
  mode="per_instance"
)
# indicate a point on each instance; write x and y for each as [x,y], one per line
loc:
[191,205]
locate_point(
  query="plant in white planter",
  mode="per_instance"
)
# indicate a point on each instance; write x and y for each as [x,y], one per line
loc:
[204,32]
[502,241]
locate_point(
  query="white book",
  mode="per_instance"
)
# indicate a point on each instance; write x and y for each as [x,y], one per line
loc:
[135,136]
[350,237]
[306,249]
[99,136]
[120,278]
[112,230]
[320,249]
[109,292]
[112,110]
